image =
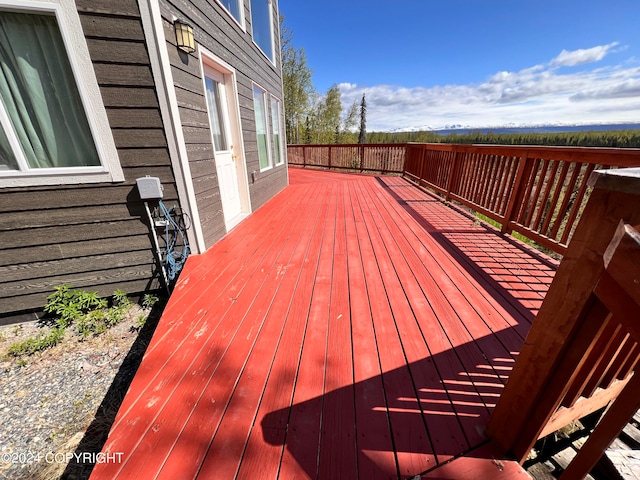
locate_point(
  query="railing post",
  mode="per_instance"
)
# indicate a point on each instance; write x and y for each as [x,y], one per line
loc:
[404,160]
[420,164]
[516,193]
[453,172]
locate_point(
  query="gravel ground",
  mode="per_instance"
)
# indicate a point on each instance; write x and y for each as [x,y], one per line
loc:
[63,400]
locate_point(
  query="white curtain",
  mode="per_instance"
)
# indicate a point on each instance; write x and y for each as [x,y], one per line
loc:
[40,95]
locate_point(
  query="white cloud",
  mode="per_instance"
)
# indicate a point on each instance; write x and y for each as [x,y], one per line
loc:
[626,89]
[583,55]
[541,94]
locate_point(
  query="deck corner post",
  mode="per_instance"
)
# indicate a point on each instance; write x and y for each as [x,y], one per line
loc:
[516,422]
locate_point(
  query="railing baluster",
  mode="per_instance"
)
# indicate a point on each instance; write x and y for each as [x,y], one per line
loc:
[528,205]
[577,204]
[597,361]
[622,364]
[557,183]
[630,364]
[539,204]
[423,165]
[453,173]
[501,176]
[562,213]
[507,186]
[516,193]
[613,359]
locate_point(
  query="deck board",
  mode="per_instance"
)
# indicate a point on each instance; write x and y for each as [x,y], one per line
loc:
[352,327]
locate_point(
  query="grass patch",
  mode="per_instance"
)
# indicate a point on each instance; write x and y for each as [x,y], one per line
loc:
[37,344]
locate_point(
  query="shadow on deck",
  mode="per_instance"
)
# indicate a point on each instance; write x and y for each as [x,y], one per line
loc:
[353,327]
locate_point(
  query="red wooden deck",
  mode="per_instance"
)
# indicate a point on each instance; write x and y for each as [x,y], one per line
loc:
[353,327]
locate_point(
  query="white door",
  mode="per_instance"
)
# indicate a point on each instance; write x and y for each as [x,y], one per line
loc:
[218,108]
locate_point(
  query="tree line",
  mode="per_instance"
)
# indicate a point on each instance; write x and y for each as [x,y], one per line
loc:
[586,138]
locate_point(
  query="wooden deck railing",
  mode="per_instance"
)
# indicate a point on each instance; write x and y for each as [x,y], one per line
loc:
[384,158]
[538,192]
[583,349]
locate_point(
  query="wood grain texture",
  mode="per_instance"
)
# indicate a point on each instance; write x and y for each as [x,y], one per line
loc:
[125,52]
[113,7]
[332,331]
[115,28]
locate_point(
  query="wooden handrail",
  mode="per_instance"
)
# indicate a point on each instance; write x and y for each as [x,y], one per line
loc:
[536,191]
[582,351]
[383,158]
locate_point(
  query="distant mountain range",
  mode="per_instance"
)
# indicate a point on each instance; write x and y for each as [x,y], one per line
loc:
[462,129]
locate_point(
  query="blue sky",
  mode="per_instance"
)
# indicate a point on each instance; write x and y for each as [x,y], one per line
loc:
[435,63]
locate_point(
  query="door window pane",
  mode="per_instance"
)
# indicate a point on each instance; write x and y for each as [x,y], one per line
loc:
[259,106]
[216,115]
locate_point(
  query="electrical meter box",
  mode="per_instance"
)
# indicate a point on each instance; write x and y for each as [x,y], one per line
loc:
[150,188]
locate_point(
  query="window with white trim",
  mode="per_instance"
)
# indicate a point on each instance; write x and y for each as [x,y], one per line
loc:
[53,126]
[276,135]
[234,7]
[262,26]
[262,137]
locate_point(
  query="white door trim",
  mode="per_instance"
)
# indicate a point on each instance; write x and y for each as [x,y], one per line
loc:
[235,125]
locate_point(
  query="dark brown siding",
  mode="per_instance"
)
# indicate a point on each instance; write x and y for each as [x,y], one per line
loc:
[93,236]
[216,30]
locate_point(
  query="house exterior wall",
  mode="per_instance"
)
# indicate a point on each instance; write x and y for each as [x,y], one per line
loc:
[216,31]
[96,236]
[92,236]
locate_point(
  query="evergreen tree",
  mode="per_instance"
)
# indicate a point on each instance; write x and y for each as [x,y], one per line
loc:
[362,138]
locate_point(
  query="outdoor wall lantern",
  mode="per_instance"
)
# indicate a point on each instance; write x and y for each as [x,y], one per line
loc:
[184,36]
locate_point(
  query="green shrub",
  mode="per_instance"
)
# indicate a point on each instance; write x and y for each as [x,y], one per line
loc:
[100,320]
[149,300]
[70,305]
[90,314]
